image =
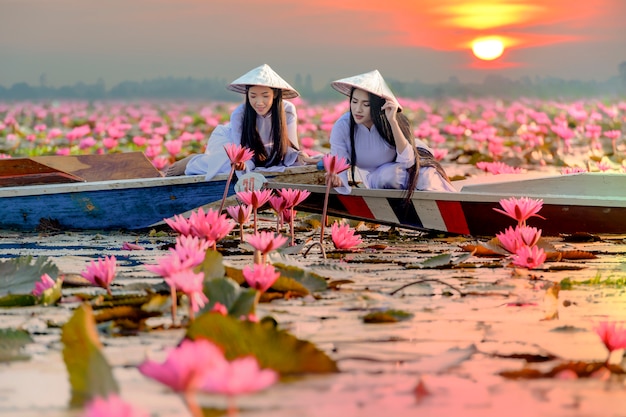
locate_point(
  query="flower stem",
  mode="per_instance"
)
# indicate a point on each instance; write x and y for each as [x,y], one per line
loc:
[232,406]
[293,237]
[230,177]
[192,404]
[174,302]
[325,209]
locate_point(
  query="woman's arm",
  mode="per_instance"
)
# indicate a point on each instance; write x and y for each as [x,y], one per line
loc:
[291,118]
[391,110]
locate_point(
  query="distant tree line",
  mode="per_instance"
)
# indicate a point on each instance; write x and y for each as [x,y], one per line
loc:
[214,89]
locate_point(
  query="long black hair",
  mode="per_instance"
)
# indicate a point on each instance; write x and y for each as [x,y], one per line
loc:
[384,128]
[250,135]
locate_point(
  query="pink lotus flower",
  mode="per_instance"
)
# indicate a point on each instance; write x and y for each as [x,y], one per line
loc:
[334,164]
[111,406]
[101,273]
[132,246]
[260,277]
[191,248]
[292,199]
[265,242]
[240,376]
[612,335]
[190,283]
[241,214]
[279,204]
[186,368]
[211,225]
[528,257]
[343,236]
[520,209]
[220,308]
[179,224]
[42,285]
[512,239]
[238,154]
[256,199]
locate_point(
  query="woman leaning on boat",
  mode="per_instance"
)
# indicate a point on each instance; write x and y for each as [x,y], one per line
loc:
[265,123]
[376,138]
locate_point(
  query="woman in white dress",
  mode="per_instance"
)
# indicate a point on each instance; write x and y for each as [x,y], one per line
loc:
[265,123]
[376,138]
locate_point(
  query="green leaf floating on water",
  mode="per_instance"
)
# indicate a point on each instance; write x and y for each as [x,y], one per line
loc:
[11,343]
[89,372]
[213,265]
[387,316]
[273,348]
[290,268]
[18,275]
[238,301]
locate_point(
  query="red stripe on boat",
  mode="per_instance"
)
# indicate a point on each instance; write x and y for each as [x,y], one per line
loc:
[356,206]
[453,217]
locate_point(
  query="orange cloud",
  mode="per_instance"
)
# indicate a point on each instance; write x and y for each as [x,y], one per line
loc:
[451,25]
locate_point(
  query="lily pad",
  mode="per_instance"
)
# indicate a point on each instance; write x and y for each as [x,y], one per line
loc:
[238,301]
[90,374]
[19,275]
[11,343]
[212,265]
[273,348]
[387,316]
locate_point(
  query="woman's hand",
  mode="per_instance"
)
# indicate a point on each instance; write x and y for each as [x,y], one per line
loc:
[390,108]
[335,181]
[240,166]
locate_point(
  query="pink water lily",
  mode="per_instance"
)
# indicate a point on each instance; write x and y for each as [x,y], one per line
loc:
[343,236]
[520,209]
[279,204]
[256,199]
[110,406]
[333,165]
[238,155]
[612,335]
[191,284]
[260,277]
[265,242]
[179,224]
[528,257]
[241,214]
[43,284]
[513,238]
[240,376]
[292,197]
[132,246]
[101,272]
[186,368]
[212,225]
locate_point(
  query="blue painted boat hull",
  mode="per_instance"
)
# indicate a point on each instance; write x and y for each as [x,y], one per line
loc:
[106,205]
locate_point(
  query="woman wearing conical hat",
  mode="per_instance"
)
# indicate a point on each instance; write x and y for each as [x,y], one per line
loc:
[376,138]
[265,123]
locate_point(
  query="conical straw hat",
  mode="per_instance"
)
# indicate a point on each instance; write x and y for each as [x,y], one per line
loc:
[266,77]
[371,82]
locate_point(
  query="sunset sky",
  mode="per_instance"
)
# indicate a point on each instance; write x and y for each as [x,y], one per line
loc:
[66,41]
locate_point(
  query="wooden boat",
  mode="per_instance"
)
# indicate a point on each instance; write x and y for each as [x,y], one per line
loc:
[122,191]
[582,202]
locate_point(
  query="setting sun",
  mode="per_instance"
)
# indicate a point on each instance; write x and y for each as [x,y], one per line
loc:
[488,48]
